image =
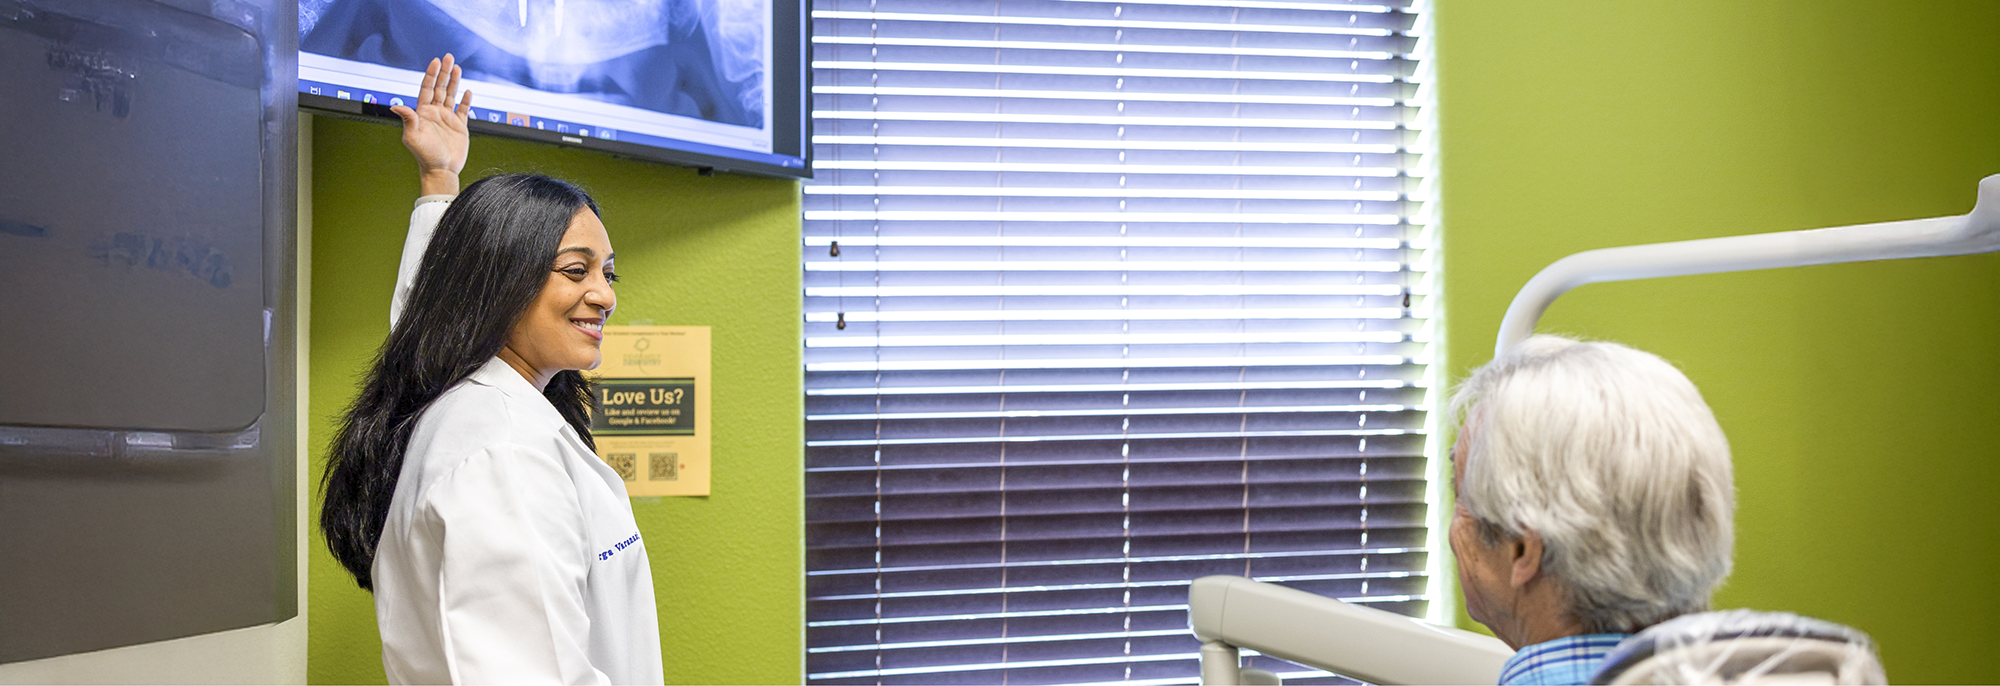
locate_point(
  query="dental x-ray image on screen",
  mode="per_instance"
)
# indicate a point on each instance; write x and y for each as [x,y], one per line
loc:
[694,58]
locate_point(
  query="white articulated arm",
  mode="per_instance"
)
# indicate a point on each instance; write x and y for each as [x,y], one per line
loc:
[1354,641]
[1975,232]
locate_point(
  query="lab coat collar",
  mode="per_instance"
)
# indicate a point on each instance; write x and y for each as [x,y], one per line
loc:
[498,374]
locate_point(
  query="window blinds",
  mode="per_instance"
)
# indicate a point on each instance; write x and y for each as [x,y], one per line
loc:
[1101,297]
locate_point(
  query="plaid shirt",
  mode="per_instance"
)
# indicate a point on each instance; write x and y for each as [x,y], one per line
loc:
[1566,661]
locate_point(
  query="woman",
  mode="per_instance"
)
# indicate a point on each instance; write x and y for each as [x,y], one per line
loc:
[463,486]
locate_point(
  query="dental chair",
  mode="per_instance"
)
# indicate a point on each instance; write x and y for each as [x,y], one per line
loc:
[1228,613]
[1743,647]
[1727,647]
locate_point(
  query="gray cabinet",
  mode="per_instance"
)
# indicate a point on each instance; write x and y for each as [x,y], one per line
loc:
[147,377]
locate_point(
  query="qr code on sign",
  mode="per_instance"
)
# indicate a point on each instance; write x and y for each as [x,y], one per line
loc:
[663,466]
[626,464]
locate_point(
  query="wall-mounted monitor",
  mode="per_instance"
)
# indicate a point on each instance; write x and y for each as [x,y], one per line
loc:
[708,83]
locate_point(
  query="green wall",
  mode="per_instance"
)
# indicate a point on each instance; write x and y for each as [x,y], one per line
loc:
[720,251]
[1859,399]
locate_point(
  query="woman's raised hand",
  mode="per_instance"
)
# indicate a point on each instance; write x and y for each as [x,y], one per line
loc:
[435,130]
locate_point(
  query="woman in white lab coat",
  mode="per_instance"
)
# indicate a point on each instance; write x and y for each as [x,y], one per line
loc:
[463,487]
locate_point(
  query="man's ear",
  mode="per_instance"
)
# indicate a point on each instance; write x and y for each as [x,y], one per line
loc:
[1527,554]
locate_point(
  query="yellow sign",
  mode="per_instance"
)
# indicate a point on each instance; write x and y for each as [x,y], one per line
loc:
[651,423]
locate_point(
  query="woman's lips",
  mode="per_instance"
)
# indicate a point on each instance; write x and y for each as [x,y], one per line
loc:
[591,327]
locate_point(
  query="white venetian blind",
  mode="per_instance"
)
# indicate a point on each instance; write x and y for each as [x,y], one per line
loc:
[1102,297]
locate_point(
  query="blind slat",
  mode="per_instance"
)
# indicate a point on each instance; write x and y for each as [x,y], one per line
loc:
[1285,548]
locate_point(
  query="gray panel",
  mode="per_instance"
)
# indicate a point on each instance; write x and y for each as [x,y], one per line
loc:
[109,552]
[131,224]
[148,412]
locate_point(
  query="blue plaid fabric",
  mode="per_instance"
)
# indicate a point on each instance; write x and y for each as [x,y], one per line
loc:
[1566,661]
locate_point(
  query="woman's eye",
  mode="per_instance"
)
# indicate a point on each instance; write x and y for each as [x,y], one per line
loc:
[575,272]
[611,276]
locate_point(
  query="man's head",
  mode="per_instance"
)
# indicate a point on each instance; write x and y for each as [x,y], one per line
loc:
[1594,492]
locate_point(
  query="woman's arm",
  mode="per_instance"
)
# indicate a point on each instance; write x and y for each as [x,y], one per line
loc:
[435,133]
[423,221]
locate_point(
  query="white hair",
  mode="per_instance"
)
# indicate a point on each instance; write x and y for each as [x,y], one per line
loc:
[1610,454]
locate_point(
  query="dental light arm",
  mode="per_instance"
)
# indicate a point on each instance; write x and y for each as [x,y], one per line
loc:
[1975,232]
[1228,612]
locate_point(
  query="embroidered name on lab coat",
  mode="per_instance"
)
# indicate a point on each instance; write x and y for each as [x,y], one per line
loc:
[621,545]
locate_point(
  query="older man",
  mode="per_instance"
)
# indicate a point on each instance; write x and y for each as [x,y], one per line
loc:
[1594,499]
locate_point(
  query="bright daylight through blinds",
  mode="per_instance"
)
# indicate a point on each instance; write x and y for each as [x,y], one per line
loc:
[1102,297]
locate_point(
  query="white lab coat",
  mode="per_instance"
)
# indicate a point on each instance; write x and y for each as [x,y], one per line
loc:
[510,554]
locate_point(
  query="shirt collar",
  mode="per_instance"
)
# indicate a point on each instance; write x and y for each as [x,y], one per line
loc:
[498,374]
[1566,660]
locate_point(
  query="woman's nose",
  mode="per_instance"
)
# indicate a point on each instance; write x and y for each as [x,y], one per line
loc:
[602,296]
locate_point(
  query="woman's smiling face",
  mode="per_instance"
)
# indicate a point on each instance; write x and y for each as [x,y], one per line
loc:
[563,328]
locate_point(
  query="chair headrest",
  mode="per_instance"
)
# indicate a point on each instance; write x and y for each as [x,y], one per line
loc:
[1741,647]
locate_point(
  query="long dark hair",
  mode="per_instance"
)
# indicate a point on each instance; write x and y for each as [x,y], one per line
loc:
[487,262]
